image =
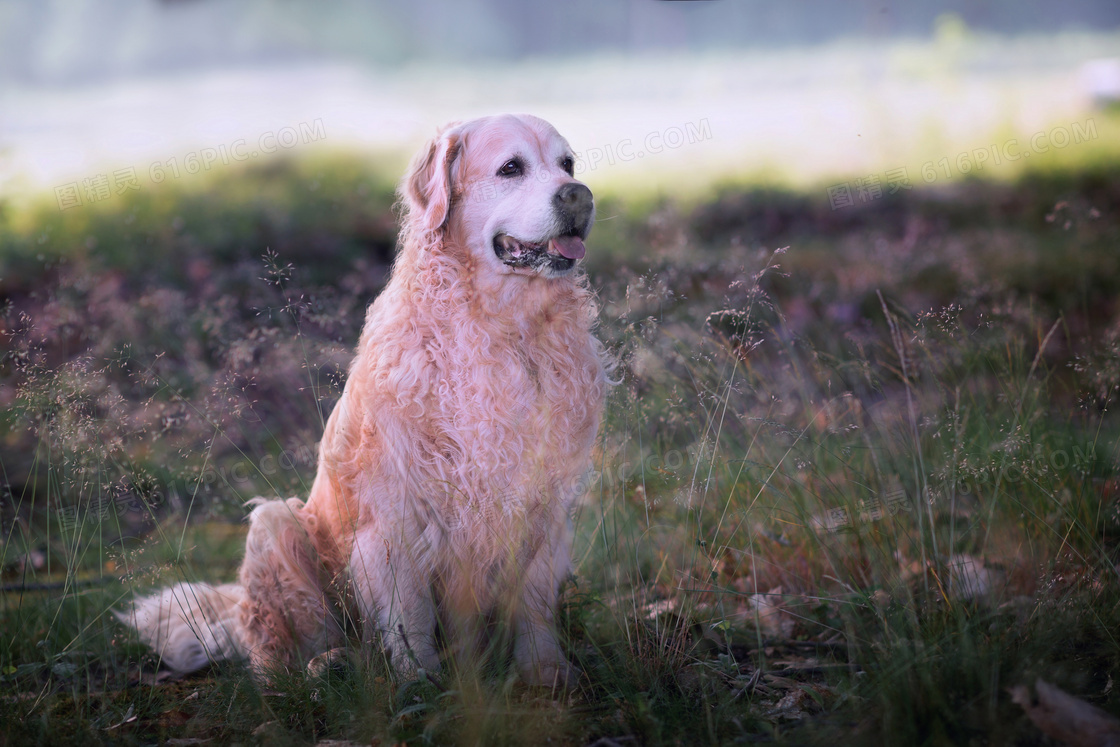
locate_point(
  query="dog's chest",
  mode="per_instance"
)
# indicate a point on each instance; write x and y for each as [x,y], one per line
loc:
[520,409]
[535,393]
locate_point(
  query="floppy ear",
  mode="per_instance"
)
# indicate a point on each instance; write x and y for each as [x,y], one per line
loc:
[428,183]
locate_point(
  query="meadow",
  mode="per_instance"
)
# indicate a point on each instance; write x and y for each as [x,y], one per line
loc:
[858,479]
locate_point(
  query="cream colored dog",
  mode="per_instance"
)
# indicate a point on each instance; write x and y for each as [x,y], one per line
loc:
[448,468]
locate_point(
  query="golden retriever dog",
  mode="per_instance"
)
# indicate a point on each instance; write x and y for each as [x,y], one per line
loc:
[449,467]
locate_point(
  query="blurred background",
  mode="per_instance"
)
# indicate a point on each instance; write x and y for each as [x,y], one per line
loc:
[652,94]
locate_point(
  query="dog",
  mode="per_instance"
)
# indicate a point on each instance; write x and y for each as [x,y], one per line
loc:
[448,468]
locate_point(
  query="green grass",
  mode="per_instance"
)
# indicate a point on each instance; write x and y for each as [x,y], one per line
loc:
[858,479]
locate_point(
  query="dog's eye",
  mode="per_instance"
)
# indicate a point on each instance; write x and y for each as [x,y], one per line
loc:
[568,165]
[511,167]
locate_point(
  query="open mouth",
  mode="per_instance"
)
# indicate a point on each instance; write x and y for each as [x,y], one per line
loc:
[558,254]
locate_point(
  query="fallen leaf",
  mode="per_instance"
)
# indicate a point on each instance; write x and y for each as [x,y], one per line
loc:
[765,611]
[129,717]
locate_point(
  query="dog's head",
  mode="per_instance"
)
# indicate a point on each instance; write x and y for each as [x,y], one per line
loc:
[502,190]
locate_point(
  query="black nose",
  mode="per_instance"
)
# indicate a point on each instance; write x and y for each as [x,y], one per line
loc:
[574,204]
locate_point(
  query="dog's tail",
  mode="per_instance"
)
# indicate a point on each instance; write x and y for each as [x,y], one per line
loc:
[190,625]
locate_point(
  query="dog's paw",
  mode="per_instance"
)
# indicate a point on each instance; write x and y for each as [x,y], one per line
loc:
[412,663]
[560,676]
[336,662]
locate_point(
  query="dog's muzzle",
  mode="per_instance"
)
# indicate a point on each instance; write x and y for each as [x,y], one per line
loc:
[555,255]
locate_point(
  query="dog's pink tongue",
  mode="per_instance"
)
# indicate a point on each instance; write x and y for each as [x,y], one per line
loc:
[569,246]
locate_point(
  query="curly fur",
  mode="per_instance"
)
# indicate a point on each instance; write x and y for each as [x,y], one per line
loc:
[189,625]
[449,466]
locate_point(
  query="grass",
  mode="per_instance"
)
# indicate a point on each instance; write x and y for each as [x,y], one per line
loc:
[858,479]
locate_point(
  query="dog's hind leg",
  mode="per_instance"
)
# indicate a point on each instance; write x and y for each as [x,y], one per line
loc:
[286,615]
[395,597]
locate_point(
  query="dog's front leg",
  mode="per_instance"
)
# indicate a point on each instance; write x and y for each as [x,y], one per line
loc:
[537,652]
[395,597]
